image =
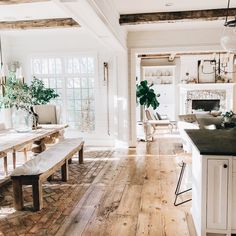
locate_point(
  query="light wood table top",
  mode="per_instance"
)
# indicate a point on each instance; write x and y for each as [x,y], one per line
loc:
[12,140]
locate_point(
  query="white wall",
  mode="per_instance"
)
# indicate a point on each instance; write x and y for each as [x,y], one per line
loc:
[20,46]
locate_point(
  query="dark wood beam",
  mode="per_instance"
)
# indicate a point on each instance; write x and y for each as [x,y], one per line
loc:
[35,24]
[171,17]
[4,2]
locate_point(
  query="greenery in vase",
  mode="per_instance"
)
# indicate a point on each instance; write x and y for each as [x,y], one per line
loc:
[228,114]
[23,96]
[146,95]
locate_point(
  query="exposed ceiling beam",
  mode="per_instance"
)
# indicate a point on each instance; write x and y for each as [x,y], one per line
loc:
[171,17]
[178,54]
[35,24]
[3,2]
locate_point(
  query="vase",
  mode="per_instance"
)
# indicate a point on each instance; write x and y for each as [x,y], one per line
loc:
[21,120]
[227,119]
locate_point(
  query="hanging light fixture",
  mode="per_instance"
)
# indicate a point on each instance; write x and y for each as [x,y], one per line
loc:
[228,38]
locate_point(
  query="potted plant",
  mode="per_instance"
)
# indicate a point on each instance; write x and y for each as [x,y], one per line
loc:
[22,97]
[146,95]
[227,116]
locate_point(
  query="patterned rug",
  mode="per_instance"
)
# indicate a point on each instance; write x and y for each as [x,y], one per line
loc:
[59,198]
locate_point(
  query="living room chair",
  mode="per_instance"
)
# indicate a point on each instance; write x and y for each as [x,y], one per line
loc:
[156,124]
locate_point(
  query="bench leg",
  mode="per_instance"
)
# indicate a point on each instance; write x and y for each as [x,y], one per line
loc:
[37,195]
[81,155]
[17,194]
[64,171]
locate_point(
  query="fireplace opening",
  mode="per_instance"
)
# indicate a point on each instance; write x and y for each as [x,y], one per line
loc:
[206,105]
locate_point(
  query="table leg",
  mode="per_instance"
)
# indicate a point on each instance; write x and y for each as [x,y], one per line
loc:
[40,146]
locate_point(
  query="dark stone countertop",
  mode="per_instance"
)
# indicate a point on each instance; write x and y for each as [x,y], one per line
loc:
[214,142]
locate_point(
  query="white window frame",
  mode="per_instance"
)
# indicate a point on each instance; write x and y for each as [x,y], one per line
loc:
[63,113]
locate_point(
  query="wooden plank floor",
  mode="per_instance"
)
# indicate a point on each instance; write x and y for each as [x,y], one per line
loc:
[133,195]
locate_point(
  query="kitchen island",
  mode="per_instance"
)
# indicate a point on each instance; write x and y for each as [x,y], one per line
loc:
[214,181]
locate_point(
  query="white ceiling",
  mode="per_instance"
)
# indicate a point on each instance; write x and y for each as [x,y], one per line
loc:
[143,6]
[32,11]
[176,26]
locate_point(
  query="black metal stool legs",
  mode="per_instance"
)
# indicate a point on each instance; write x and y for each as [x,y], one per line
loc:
[177,191]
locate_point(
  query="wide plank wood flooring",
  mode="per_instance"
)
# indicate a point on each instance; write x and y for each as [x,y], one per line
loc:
[133,195]
[127,192]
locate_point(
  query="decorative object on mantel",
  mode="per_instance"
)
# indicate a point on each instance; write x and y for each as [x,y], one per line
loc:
[215,70]
[228,116]
[22,97]
[228,38]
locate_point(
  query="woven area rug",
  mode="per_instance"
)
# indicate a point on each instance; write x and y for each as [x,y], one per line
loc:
[59,198]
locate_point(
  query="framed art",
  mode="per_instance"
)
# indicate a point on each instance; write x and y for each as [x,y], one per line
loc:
[207,71]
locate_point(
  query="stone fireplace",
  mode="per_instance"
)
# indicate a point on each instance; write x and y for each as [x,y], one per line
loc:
[206,97]
[206,104]
[209,97]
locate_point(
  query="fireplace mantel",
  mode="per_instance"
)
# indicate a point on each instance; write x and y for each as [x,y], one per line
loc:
[207,86]
[219,88]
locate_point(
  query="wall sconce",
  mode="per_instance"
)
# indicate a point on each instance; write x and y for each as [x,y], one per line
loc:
[106,81]
[105,71]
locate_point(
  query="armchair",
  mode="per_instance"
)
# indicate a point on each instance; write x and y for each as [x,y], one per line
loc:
[156,124]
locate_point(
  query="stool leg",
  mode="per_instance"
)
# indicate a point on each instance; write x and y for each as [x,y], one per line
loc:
[5,165]
[14,159]
[177,190]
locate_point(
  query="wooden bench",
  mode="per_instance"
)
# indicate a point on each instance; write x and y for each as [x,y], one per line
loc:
[34,172]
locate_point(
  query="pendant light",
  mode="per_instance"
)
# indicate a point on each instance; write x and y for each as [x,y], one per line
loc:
[228,38]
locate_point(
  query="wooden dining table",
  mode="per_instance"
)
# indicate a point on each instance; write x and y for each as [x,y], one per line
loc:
[12,141]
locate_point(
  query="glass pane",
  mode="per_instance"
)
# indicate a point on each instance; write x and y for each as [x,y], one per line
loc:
[78,104]
[85,94]
[91,82]
[76,83]
[44,66]
[90,65]
[91,103]
[51,66]
[71,104]
[85,105]
[69,68]
[76,65]
[70,115]
[52,83]
[46,83]
[84,82]
[58,66]
[59,82]
[59,92]
[77,93]
[70,94]
[91,93]
[36,66]
[83,65]
[70,83]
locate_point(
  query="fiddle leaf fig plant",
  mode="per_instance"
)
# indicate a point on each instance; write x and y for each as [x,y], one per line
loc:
[146,95]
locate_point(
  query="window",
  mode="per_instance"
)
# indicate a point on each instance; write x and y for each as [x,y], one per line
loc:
[74,80]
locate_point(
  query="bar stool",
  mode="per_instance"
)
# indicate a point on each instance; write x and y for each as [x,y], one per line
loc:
[178,191]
